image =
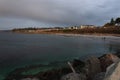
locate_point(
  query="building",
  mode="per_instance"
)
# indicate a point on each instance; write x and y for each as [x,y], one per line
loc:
[74,27]
[87,26]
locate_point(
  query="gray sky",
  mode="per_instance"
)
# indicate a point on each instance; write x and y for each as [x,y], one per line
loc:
[45,13]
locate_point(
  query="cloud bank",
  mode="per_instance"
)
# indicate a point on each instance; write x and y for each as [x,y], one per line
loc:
[64,12]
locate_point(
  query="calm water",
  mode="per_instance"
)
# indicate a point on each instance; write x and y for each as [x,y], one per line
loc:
[17,50]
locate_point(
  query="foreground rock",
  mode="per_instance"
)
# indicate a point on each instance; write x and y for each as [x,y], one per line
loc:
[30,79]
[106,60]
[92,67]
[113,72]
[74,76]
[99,76]
[78,65]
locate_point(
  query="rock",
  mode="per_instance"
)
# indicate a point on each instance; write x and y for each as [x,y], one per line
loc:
[113,72]
[78,65]
[118,54]
[30,79]
[99,76]
[106,60]
[77,62]
[74,76]
[92,67]
[54,74]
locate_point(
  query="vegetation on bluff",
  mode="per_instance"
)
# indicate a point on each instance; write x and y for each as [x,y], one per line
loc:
[102,30]
[112,27]
[113,23]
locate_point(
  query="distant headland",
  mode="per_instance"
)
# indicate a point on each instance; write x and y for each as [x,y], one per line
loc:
[110,28]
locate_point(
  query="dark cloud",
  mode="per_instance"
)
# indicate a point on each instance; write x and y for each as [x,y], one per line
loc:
[62,12]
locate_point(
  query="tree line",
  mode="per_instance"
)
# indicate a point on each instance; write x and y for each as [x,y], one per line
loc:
[113,23]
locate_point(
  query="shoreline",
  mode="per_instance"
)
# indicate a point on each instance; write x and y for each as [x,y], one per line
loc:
[90,35]
[101,35]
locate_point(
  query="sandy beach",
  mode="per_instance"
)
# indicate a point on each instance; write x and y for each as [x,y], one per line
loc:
[89,35]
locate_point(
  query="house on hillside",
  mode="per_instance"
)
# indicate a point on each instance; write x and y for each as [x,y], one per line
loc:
[73,27]
[117,24]
[87,26]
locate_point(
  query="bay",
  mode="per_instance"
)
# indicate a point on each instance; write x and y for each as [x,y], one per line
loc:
[18,50]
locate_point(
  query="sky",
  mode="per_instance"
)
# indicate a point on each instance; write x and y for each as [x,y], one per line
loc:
[54,13]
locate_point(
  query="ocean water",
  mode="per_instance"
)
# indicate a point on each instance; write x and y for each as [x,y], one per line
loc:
[18,50]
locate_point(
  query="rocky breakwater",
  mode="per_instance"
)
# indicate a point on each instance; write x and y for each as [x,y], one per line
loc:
[106,67]
[106,60]
[103,68]
[91,68]
[113,71]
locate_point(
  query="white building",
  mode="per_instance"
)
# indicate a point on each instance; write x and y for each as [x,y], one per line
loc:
[87,26]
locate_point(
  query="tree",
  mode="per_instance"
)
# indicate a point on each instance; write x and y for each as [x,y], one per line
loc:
[117,21]
[112,22]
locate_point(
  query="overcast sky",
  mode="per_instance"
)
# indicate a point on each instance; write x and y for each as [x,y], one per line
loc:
[45,13]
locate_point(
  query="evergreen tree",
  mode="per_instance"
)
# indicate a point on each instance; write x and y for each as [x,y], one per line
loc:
[112,22]
[117,22]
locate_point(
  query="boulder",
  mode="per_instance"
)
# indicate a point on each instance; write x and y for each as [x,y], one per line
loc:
[106,60]
[74,76]
[92,67]
[117,54]
[77,62]
[53,74]
[78,65]
[99,76]
[113,72]
[30,79]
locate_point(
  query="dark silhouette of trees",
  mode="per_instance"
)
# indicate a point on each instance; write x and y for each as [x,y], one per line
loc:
[112,22]
[109,24]
[117,21]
